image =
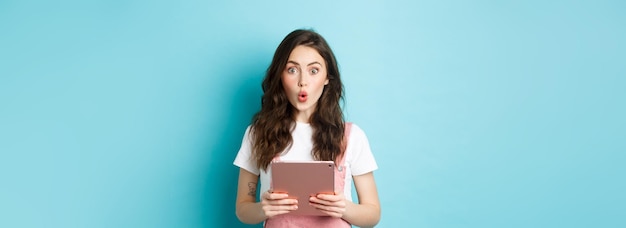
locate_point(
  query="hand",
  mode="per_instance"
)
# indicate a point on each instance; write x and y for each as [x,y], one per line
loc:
[277,203]
[333,205]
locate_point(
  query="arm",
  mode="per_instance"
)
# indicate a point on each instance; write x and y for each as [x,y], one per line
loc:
[247,210]
[367,212]
[364,214]
[251,212]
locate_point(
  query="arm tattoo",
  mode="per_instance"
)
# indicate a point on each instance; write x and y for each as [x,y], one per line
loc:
[252,189]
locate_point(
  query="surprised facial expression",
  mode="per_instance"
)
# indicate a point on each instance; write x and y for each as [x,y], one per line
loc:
[304,78]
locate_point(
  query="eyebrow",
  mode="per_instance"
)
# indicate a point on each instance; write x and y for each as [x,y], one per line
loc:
[295,63]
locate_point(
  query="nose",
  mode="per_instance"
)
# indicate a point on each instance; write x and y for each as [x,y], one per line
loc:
[302,82]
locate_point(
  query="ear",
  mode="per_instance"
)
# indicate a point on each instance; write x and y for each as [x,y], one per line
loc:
[326,82]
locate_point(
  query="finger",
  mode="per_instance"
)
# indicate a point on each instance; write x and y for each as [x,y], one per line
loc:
[274,196]
[271,211]
[280,202]
[275,213]
[286,202]
[319,201]
[336,212]
[327,202]
[328,197]
[270,208]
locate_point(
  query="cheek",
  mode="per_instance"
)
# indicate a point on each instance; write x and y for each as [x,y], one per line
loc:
[323,81]
[285,82]
[320,88]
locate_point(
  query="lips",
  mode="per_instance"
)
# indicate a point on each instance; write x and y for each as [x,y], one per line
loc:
[302,96]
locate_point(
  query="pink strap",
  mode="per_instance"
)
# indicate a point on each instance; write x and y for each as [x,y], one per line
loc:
[344,143]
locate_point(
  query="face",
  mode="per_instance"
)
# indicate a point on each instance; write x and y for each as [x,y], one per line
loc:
[304,78]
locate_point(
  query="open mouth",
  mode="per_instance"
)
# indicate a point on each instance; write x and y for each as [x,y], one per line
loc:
[302,96]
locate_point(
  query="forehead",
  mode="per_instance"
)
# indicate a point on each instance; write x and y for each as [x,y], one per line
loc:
[304,55]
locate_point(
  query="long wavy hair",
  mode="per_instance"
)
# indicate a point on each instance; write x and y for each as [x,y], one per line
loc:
[272,125]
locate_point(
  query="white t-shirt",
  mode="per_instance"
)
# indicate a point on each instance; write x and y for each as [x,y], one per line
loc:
[359,159]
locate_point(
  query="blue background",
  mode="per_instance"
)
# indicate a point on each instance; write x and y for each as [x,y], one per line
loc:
[480,114]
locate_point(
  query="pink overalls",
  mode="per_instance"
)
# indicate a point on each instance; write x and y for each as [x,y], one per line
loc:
[287,220]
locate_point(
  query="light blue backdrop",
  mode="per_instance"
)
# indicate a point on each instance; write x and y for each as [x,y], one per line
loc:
[480,113]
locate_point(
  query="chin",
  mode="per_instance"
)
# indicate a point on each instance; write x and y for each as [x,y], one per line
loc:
[303,107]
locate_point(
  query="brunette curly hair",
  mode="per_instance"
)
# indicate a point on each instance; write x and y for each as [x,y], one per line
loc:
[272,126]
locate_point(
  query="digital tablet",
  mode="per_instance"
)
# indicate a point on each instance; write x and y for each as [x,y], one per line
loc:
[301,180]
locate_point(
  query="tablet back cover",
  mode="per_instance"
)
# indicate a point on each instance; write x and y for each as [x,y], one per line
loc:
[301,180]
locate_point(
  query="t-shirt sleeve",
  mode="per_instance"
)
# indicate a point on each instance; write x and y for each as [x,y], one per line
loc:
[244,158]
[362,159]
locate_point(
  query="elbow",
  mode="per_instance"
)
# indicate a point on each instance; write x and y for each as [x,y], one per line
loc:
[244,220]
[245,215]
[241,215]
[368,217]
[375,216]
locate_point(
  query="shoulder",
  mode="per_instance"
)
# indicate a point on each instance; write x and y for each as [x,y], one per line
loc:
[248,131]
[244,158]
[356,131]
[359,154]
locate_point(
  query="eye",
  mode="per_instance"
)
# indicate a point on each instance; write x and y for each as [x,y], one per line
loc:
[292,70]
[315,71]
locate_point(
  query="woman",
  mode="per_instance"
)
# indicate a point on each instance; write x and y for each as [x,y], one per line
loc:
[301,120]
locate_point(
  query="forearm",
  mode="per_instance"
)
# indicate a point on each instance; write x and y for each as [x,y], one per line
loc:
[362,215]
[250,213]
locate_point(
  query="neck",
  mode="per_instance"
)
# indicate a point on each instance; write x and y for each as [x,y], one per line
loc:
[302,117]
